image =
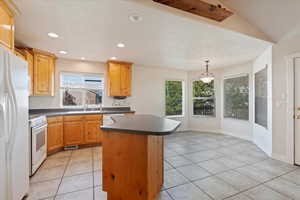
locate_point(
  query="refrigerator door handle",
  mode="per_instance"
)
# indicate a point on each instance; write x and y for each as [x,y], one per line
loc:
[12,104]
[2,112]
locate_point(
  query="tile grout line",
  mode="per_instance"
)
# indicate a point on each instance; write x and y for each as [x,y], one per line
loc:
[66,167]
[192,182]
[260,184]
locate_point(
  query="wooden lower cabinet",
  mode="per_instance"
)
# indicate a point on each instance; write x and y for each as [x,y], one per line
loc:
[55,138]
[82,129]
[132,166]
[73,133]
[92,132]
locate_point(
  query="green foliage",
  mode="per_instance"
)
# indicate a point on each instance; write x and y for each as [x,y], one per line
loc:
[174,98]
[236,96]
[204,100]
[201,89]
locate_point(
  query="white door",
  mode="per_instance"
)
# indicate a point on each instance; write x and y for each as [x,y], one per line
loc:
[297,111]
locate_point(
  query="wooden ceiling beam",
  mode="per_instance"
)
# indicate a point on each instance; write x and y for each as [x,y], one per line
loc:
[199,7]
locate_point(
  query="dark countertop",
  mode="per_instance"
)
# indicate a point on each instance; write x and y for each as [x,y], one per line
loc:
[34,113]
[143,124]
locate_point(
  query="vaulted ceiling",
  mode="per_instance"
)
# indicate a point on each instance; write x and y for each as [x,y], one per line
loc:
[275,18]
[165,37]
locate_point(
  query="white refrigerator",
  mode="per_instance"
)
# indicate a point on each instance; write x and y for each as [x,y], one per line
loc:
[14,131]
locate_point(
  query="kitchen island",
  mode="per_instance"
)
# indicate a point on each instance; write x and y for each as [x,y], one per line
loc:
[133,156]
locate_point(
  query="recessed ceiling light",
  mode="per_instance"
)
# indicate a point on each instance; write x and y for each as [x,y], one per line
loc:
[53,35]
[135,18]
[121,45]
[63,52]
[82,58]
[113,58]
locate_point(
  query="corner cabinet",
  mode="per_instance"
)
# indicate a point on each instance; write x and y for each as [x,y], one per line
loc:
[119,78]
[6,26]
[55,135]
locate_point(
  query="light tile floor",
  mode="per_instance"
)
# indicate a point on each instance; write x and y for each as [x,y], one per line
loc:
[198,166]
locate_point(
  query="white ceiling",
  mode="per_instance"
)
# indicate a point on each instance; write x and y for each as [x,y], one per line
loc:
[92,29]
[276,18]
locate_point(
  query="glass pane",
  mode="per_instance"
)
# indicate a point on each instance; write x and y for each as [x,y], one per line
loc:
[93,82]
[236,98]
[72,97]
[93,97]
[71,80]
[205,106]
[40,140]
[174,98]
[261,98]
[201,89]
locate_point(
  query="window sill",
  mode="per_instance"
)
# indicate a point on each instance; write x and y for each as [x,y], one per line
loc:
[234,119]
[175,116]
[203,116]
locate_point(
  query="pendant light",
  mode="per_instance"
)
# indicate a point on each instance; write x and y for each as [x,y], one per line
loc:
[207,77]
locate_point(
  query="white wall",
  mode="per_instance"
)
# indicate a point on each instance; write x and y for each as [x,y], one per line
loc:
[237,128]
[285,47]
[148,88]
[262,137]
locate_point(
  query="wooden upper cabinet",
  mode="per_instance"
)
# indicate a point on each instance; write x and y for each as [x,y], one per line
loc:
[126,80]
[119,76]
[43,73]
[19,53]
[6,26]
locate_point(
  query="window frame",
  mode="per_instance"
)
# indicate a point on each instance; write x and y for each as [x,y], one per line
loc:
[223,95]
[199,98]
[183,99]
[84,95]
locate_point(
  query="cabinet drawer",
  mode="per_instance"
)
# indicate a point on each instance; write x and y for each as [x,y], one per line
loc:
[93,117]
[54,119]
[73,118]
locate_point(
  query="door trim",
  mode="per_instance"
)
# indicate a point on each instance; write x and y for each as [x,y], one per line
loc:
[290,108]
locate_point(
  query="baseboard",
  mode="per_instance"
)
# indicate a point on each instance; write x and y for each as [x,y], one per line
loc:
[282,158]
[207,130]
[237,136]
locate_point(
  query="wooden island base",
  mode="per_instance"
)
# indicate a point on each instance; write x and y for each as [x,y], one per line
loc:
[132,166]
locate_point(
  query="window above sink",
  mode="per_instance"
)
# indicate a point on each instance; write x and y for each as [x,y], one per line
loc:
[81,90]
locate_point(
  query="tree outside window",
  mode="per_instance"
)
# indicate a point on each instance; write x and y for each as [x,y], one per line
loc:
[174,98]
[236,98]
[203,98]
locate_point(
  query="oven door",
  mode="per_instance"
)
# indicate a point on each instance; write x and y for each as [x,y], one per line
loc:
[39,146]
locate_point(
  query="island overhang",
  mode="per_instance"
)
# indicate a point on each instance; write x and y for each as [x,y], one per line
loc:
[143,124]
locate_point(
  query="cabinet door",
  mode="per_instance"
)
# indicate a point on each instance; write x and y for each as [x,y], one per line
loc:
[126,80]
[73,133]
[6,27]
[114,79]
[55,139]
[43,75]
[92,132]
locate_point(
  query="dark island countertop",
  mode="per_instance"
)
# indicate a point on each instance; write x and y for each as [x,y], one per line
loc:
[34,113]
[142,124]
